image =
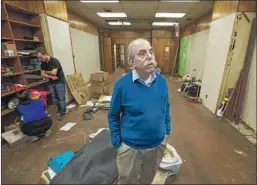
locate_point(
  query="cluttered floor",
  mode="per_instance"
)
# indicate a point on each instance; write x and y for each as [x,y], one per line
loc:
[212,150]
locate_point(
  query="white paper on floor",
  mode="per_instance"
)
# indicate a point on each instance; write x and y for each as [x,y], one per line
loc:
[11,137]
[90,104]
[104,99]
[51,173]
[68,126]
[71,105]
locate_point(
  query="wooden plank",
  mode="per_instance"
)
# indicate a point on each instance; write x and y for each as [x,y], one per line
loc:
[175,60]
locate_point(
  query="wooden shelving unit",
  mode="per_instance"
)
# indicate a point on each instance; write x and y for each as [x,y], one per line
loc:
[6,111]
[31,71]
[11,74]
[3,57]
[27,40]
[34,84]
[19,27]
[24,24]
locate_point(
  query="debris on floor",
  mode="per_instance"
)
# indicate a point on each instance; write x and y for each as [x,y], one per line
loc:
[56,165]
[89,113]
[92,135]
[72,105]
[13,136]
[241,153]
[190,88]
[104,102]
[68,126]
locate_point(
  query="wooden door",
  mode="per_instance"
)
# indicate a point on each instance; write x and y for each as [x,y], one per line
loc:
[108,54]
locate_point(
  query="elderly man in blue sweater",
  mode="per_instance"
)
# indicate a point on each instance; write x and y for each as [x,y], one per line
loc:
[139,117]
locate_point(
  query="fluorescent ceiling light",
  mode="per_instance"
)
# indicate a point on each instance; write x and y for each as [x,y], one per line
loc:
[170,15]
[126,23]
[111,14]
[119,23]
[163,23]
[84,1]
[189,1]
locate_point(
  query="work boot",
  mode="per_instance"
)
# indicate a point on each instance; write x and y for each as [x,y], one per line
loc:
[48,133]
[62,115]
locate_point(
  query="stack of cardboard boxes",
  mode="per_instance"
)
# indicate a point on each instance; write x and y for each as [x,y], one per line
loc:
[99,84]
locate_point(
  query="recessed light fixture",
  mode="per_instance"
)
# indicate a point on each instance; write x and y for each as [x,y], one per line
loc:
[84,1]
[119,23]
[163,23]
[127,23]
[170,15]
[111,14]
[189,1]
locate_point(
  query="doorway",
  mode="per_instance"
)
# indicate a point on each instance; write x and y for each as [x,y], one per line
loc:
[118,57]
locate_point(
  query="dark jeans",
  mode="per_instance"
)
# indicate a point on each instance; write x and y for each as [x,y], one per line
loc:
[58,95]
[36,128]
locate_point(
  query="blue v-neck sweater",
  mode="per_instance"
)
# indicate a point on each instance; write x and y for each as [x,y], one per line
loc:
[139,115]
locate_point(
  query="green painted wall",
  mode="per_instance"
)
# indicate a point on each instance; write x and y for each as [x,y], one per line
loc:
[182,55]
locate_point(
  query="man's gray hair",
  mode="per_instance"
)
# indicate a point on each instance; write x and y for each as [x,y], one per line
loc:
[130,53]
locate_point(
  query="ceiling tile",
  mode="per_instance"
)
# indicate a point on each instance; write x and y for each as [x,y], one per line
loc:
[140,13]
[140,8]
[170,7]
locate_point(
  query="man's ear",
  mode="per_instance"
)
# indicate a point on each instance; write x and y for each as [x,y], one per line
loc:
[131,62]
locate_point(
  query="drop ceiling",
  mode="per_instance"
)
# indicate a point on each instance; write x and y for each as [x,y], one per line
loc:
[141,14]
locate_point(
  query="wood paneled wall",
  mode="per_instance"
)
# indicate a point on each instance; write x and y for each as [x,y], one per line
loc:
[80,23]
[56,9]
[124,38]
[247,6]
[223,8]
[165,45]
[33,6]
[128,34]
[162,34]
[199,25]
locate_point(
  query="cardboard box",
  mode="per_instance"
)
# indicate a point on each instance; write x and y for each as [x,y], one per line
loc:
[96,83]
[2,49]
[11,47]
[95,95]
[79,89]
[99,76]
[99,90]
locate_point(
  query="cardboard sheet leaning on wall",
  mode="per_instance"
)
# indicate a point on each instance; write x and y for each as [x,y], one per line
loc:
[79,89]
